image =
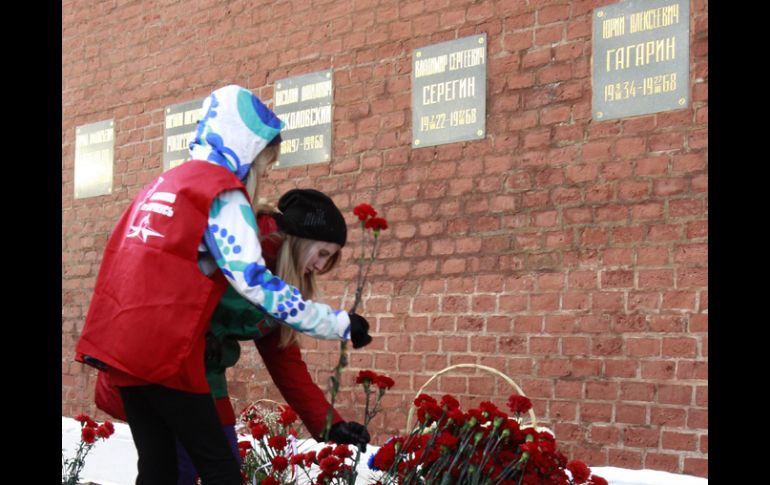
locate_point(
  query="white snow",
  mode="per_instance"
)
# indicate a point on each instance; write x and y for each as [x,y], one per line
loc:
[113,462]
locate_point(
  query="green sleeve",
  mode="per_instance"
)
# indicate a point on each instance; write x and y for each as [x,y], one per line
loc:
[237,318]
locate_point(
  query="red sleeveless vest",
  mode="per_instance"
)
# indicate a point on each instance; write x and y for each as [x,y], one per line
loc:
[152,305]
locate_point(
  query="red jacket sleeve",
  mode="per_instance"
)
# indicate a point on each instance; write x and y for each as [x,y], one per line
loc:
[290,375]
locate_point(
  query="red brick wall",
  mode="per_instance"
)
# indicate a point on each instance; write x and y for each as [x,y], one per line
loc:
[569,254]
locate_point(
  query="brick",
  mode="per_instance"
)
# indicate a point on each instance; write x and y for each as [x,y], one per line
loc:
[617,279]
[631,414]
[661,461]
[601,391]
[562,410]
[595,412]
[637,391]
[667,416]
[696,466]
[679,347]
[621,368]
[617,257]
[568,390]
[698,419]
[555,368]
[692,370]
[543,345]
[652,256]
[586,367]
[675,394]
[641,437]
[575,346]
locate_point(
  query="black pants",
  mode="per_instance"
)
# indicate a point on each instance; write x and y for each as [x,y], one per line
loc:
[158,416]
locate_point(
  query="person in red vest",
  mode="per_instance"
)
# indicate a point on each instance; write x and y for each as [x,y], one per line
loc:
[185,237]
[301,240]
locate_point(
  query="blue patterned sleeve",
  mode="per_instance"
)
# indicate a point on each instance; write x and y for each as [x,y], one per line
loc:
[232,240]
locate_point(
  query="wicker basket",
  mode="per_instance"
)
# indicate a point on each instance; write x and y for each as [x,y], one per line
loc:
[490,370]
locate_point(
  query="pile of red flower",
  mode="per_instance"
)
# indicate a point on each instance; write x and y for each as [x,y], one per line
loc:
[272,458]
[90,431]
[484,445]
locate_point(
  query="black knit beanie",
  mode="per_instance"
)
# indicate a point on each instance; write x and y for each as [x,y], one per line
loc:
[311,214]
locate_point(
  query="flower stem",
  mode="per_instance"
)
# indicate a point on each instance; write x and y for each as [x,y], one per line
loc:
[335,387]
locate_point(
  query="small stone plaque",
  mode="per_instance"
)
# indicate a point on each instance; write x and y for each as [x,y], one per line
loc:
[179,130]
[449,90]
[304,103]
[641,58]
[94,152]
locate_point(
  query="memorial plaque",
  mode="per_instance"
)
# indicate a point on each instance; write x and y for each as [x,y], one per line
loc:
[304,103]
[181,125]
[449,91]
[641,58]
[94,152]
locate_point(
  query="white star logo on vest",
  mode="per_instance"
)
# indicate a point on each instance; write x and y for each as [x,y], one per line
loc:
[143,230]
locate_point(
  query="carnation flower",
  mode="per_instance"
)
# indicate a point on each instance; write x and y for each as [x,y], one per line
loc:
[364,212]
[277,442]
[579,471]
[280,463]
[519,404]
[288,416]
[90,432]
[366,376]
[384,382]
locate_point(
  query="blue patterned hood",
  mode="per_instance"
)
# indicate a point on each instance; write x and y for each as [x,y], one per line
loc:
[236,126]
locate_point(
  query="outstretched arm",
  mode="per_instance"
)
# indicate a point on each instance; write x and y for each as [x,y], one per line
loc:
[231,239]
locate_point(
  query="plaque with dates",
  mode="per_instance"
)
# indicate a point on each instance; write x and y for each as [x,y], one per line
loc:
[641,58]
[94,152]
[179,129]
[449,91]
[304,103]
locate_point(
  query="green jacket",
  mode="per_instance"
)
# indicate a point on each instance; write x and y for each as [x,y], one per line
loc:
[234,319]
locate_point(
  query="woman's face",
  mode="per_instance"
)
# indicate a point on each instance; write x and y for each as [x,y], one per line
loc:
[317,256]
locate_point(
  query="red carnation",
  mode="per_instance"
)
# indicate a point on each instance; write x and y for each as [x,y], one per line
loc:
[597,480]
[288,415]
[309,458]
[377,224]
[449,402]
[277,442]
[342,451]
[325,451]
[457,416]
[83,418]
[280,463]
[519,404]
[88,435]
[384,458]
[423,398]
[384,382]
[330,464]
[364,211]
[447,439]
[579,471]
[104,431]
[259,430]
[364,376]
[270,481]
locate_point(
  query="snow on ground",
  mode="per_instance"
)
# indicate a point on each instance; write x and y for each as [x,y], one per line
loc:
[113,462]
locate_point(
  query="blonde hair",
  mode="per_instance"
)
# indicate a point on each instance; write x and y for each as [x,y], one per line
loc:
[287,267]
[264,159]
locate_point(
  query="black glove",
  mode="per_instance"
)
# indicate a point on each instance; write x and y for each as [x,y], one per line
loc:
[359,331]
[350,433]
[213,352]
